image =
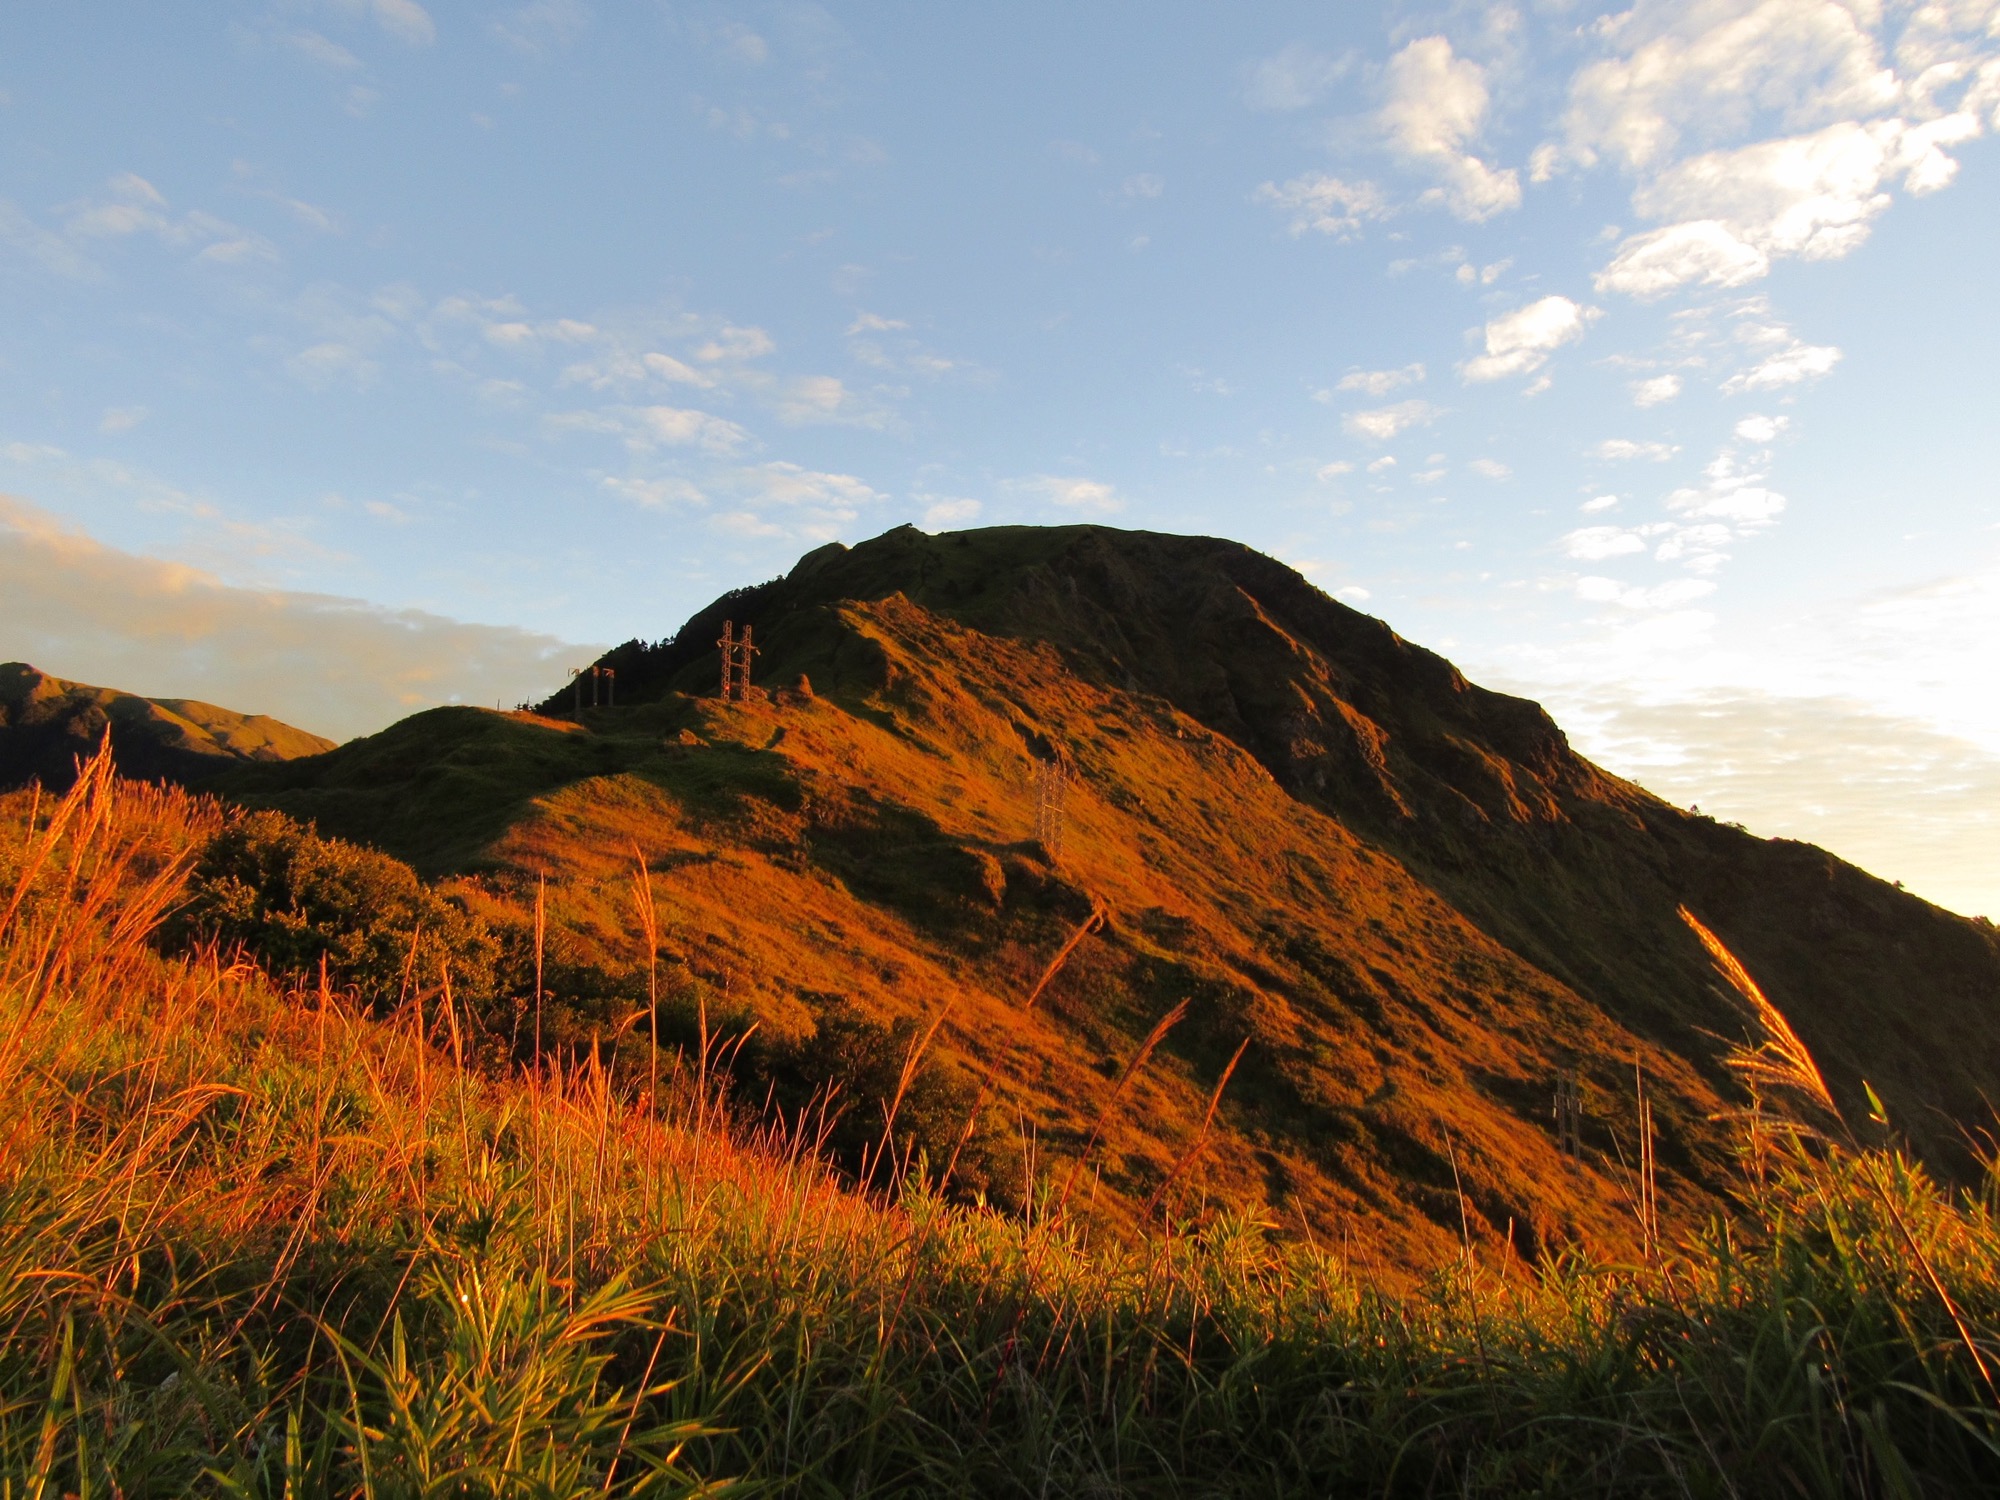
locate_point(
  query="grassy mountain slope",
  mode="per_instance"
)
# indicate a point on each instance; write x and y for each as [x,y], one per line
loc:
[1409,895]
[46,723]
[255,1241]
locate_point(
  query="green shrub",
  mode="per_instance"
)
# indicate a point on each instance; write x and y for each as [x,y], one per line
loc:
[293,900]
[845,1078]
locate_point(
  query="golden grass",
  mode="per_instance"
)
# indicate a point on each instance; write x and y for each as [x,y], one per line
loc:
[252,1242]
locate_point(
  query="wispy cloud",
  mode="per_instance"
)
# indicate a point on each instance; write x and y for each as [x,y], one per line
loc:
[1520,342]
[1380,382]
[1321,204]
[1384,422]
[340,667]
[1071,492]
[1295,77]
[1619,450]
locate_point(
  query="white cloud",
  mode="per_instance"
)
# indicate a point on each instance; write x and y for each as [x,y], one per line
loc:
[1295,77]
[1143,185]
[746,523]
[1468,274]
[1620,449]
[134,206]
[1327,472]
[1595,543]
[1380,382]
[1708,69]
[339,667]
[1834,126]
[1789,366]
[1704,251]
[1326,205]
[783,483]
[942,515]
[1761,429]
[807,399]
[678,426]
[1073,493]
[1384,422]
[1435,107]
[656,494]
[869,322]
[734,344]
[1675,594]
[1599,503]
[1383,464]
[1656,390]
[1490,468]
[1744,505]
[618,368]
[121,418]
[1520,342]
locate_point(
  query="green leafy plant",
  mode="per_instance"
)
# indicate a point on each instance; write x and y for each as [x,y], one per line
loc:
[296,901]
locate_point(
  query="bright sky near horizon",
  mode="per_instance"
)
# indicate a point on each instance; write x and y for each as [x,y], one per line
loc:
[361,354]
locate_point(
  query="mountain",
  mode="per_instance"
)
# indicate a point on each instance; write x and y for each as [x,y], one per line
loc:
[46,723]
[1422,910]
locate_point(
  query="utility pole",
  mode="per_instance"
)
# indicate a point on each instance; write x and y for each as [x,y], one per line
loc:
[576,682]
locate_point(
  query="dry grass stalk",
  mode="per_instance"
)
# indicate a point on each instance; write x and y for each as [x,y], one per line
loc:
[911,1061]
[1098,913]
[649,926]
[541,928]
[1649,1192]
[1154,1037]
[1780,1062]
[1187,1157]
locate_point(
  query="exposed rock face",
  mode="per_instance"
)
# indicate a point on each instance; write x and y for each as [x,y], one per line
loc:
[46,723]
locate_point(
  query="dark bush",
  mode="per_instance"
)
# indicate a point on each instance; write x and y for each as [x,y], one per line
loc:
[844,1079]
[292,899]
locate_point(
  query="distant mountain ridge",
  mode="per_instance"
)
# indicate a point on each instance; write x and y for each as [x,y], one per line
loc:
[47,722]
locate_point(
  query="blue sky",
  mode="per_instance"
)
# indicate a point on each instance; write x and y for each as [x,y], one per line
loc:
[360,354]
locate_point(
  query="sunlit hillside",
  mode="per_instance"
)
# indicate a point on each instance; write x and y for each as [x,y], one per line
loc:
[1416,912]
[255,1242]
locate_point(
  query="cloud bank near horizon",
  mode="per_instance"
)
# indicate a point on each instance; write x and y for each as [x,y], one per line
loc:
[1890,794]
[81,610]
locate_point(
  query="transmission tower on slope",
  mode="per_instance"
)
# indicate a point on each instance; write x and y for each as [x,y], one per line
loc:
[1051,791]
[736,653]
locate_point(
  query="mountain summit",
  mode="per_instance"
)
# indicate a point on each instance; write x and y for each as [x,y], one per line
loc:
[1425,914]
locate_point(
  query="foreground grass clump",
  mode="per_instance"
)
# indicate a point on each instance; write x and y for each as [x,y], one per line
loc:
[256,1242]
